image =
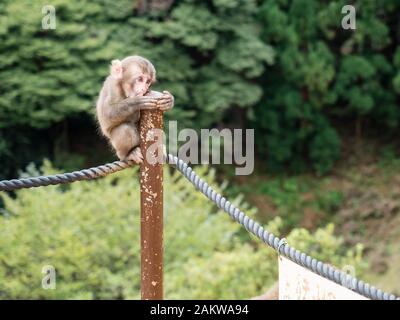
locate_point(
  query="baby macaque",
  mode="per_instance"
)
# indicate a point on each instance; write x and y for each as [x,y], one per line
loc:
[125,92]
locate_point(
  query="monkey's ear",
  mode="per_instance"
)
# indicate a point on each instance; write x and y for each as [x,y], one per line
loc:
[116,69]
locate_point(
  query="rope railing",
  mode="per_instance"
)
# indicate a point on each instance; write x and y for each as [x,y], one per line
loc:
[86,174]
[279,245]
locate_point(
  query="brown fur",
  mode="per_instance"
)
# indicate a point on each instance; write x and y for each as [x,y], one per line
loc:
[118,106]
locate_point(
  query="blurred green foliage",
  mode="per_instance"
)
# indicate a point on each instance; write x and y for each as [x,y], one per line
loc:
[292,199]
[93,242]
[324,73]
[212,55]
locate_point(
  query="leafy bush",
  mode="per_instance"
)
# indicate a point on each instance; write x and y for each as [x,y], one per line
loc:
[90,232]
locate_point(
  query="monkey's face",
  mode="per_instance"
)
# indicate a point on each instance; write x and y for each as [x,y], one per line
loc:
[138,84]
[141,84]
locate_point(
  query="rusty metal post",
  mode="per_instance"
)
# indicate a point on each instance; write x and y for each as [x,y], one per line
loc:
[151,204]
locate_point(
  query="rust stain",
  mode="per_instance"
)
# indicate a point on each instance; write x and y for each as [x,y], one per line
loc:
[151,177]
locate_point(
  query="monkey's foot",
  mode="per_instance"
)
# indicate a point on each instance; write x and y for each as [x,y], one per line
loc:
[135,155]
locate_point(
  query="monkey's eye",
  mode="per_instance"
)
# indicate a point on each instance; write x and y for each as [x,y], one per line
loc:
[140,79]
[148,81]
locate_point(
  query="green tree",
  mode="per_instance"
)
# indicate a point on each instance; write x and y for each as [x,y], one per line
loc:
[206,53]
[325,73]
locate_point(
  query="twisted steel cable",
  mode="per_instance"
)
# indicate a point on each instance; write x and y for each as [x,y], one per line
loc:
[279,245]
[86,174]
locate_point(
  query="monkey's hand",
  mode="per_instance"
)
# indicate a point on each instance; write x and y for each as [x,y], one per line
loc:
[132,104]
[166,101]
[122,111]
[144,102]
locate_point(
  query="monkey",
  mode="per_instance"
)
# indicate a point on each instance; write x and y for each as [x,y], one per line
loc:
[125,92]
